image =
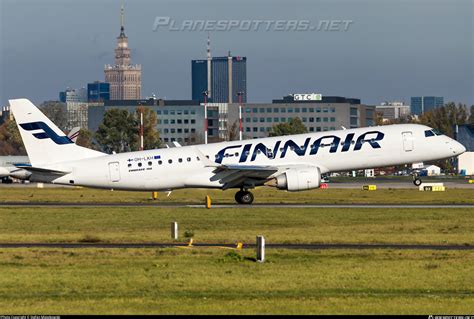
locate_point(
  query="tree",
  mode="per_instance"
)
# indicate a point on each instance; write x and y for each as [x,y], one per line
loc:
[56,112]
[233,131]
[294,126]
[85,138]
[471,117]
[151,137]
[118,132]
[444,118]
[10,139]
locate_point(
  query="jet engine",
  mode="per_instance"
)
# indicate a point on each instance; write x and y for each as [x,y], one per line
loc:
[20,174]
[297,179]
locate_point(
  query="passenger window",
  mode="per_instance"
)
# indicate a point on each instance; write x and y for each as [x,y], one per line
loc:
[170,161]
[149,163]
[189,159]
[129,165]
[198,158]
[139,164]
[180,160]
[160,162]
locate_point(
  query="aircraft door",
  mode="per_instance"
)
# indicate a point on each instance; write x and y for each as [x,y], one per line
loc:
[114,171]
[407,141]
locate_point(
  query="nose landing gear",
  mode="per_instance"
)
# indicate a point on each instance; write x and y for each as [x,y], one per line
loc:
[244,197]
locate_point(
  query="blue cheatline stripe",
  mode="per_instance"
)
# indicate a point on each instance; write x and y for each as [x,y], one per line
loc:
[157,157]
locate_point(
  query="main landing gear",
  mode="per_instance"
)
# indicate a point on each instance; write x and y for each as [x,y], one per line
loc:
[416,180]
[244,197]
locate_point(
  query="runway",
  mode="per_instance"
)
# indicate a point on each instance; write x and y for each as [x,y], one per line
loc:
[269,246]
[277,205]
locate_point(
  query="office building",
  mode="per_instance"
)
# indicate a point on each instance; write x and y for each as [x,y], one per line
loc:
[5,114]
[77,115]
[98,91]
[73,95]
[327,114]
[221,77]
[124,77]
[422,104]
[393,110]
[177,120]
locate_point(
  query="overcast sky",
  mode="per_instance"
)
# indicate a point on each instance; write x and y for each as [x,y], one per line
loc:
[392,49]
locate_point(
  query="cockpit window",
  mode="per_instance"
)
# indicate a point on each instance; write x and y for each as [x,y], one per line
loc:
[432,132]
[429,133]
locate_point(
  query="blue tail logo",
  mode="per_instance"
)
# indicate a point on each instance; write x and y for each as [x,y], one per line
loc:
[47,132]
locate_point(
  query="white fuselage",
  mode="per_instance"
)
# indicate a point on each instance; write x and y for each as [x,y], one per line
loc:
[181,167]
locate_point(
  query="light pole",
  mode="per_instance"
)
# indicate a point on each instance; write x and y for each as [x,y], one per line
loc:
[141,128]
[205,93]
[240,115]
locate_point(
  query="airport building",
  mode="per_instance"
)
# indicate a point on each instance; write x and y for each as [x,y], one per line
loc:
[465,136]
[221,77]
[422,104]
[392,110]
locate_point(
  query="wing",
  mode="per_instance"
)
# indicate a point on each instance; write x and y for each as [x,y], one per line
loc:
[239,175]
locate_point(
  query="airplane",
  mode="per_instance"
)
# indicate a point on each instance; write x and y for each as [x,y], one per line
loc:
[292,163]
[9,164]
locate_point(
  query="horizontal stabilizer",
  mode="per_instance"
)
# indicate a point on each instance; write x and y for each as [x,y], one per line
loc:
[42,170]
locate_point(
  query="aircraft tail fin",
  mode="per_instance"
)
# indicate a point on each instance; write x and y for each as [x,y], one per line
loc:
[45,143]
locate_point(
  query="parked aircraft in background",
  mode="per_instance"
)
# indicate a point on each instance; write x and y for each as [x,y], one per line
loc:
[292,163]
[8,164]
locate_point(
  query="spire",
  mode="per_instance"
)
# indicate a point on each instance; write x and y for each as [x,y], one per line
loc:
[122,25]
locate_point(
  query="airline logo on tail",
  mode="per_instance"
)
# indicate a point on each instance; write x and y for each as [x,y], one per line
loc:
[47,132]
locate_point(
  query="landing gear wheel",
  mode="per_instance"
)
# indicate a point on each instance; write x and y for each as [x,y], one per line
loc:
[238,195]
[244,197]
[417,182]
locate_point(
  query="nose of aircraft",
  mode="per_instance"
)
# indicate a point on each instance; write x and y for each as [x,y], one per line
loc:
[457,147]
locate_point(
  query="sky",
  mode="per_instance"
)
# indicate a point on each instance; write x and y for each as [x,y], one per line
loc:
[392,50]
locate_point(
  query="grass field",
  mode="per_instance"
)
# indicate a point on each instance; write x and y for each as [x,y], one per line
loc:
[225,281]
[213,281]
[262,195]
[228,225]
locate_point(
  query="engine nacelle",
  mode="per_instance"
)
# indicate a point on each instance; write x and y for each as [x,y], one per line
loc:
[21,174]
[299,179]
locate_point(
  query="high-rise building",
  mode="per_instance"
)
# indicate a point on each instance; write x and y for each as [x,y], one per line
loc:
[125,79]
[73,95]
[98,91]
[221,77]
[422,104]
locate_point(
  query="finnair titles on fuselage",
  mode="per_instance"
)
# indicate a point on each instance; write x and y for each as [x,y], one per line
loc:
[292,163]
